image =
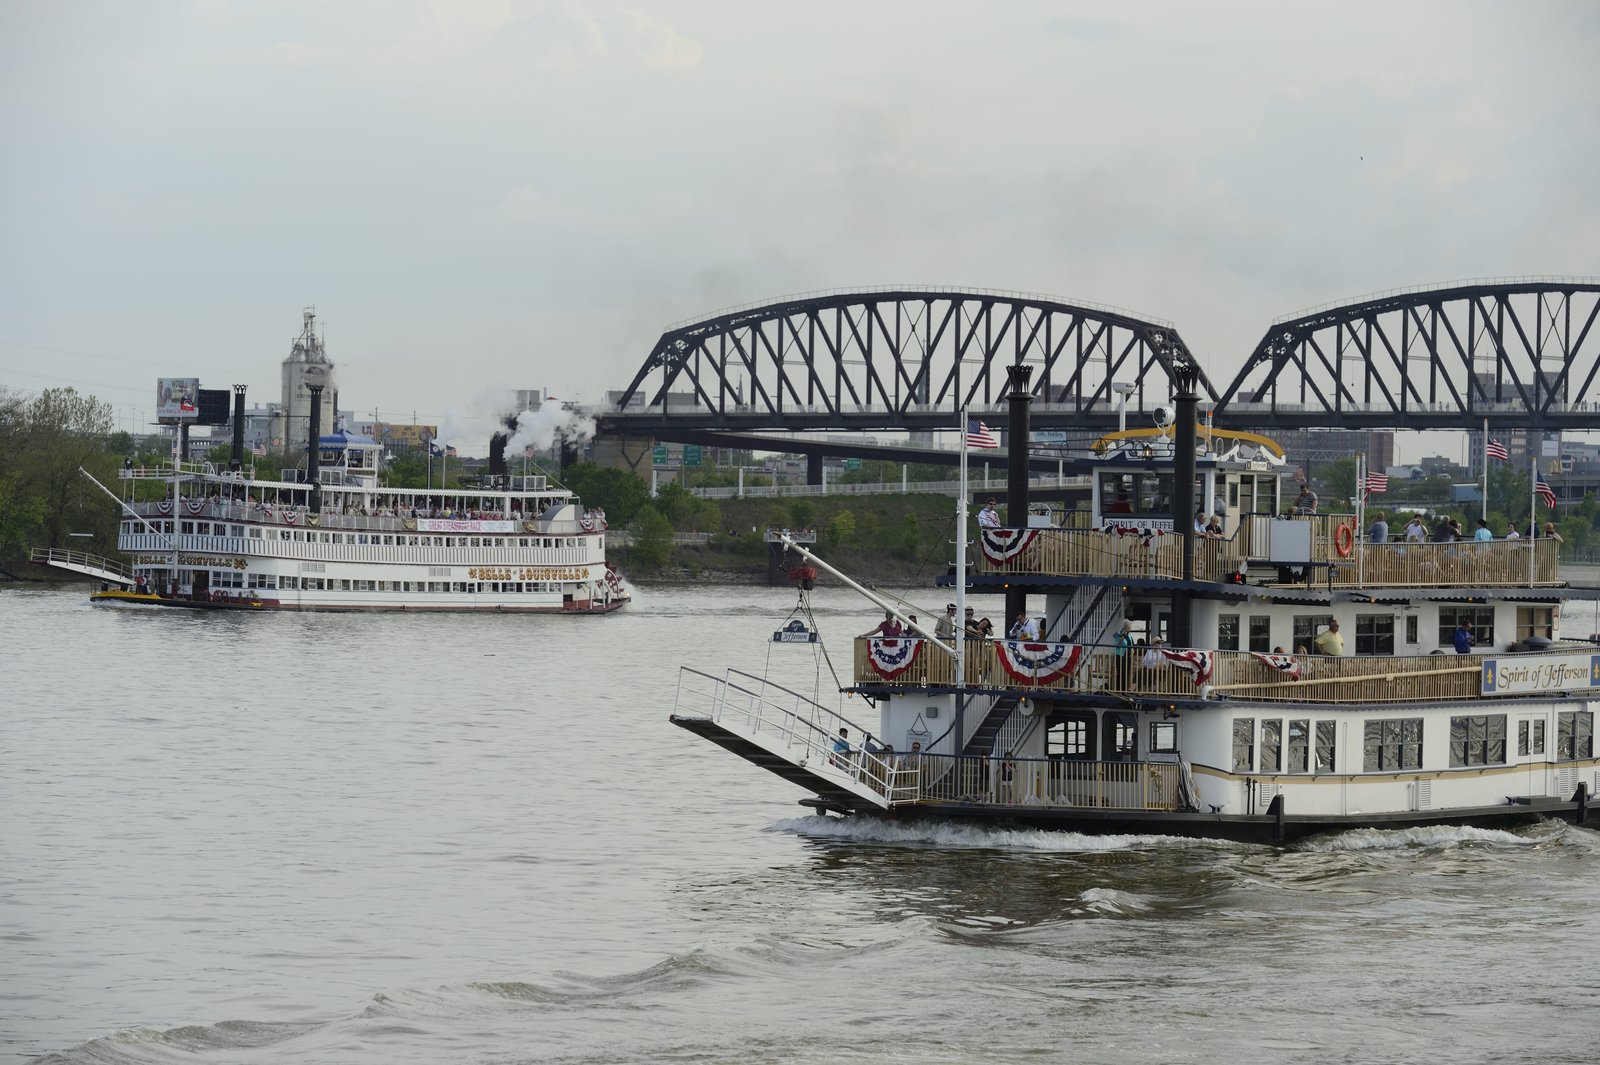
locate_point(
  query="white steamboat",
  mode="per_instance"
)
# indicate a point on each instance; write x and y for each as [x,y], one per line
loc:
[1232,726]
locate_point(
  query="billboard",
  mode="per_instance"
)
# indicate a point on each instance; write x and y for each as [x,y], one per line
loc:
[395,434]
[177,399]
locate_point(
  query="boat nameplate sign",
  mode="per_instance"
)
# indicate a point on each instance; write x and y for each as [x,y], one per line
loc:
[1540,674]
[453,525]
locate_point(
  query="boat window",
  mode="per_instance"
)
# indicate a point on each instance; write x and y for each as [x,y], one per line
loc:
[1374,634]
[1392,744]
[1299,746]
[1480,617]
[1478,740]
[1261,633]
[1411,628]
[1574,735]
[1244,744]
[1122,738]
[1306,627]
[1067,738]
[1271,746]
[1535,621]
[1227,632]
[1163,737]
[1325,747]
[1530,736]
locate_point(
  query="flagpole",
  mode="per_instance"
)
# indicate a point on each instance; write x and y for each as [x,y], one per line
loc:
[961,587]
[1486,470]
[1361,501]
[1533,504]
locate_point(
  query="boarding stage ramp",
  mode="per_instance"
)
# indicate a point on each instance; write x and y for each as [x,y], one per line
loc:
[101,569]
[784,733]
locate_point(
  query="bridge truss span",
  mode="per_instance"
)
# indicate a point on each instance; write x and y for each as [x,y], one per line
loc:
[902,358]
[1517,352]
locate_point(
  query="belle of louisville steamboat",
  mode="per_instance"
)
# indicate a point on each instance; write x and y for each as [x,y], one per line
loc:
[220,539]
[1224,730]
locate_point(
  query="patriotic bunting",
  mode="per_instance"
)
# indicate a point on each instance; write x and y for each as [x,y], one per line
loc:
[892,656]
[1003,545]
[1196,663]
[1038,663]
[194,506]
[163,506]
[1288,665]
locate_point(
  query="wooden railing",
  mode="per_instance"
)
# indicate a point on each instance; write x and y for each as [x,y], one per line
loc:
[1093,553]
[1470,563]
[1048,782]
[1236,675]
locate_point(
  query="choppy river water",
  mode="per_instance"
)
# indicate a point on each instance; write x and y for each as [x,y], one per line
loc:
[420,839]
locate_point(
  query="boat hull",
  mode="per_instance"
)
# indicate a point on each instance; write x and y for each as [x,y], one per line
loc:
[147,601]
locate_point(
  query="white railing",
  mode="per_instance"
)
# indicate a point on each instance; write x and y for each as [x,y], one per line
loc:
[886,488]
[82,562]
[274,547]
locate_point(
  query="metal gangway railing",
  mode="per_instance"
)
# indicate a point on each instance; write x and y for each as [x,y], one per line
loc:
[96,566]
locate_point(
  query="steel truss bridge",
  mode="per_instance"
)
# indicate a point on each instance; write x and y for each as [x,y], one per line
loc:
[1518,352]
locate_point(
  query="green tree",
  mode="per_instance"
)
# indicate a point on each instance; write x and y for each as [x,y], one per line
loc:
[617,492]
[841,529]
[43,444]
[406,471]
[1338,479]
[802,514]
[651,534]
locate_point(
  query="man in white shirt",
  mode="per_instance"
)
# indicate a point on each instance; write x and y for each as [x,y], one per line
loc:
[1024,628]
[988,517]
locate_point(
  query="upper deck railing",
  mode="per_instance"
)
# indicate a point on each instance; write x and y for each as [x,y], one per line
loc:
[1236,675]
[299,517]
[1340,557]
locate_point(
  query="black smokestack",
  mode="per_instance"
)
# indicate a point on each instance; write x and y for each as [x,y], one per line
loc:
[315,438]
[497,447]
[237,462]
[1185,375]
[1017,471]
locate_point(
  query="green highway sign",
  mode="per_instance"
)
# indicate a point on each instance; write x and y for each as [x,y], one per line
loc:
[659,455]
[852,464]
[691,454]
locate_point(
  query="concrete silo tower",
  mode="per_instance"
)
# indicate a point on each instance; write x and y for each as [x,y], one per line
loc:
[307,364]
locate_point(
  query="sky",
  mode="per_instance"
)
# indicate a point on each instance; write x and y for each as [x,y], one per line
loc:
[481,196]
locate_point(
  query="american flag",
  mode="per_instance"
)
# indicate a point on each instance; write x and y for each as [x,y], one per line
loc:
[449,452]
[260,450]
[1496,450]
[528,452]
[1546,493]
[1377,482]
[978,434]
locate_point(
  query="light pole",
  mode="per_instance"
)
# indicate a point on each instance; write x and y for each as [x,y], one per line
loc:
[1122,388]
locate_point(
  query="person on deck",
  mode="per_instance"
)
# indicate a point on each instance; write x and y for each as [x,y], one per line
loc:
[1511,531]
[1379,533]
[945,627]
[888,628]
[1416,531]
[989,517]
[1024,628]
[1463,638]
[1483,534]
[1306,502]
[1330,641]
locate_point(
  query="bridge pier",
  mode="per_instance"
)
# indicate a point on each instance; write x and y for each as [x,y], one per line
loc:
[813,469]
[631,453]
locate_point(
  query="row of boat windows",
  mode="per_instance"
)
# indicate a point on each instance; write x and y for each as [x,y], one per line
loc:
[314,536]
[1396,743]
[235,579]
[1375,633]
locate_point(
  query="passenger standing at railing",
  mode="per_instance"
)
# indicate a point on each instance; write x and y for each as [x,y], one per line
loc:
[841,750]
[988,517]
[945,627]
[1379,533]
[1122,650]
[887,629]
[1416,531]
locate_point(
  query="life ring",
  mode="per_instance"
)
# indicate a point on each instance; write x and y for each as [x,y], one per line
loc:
[1344,540]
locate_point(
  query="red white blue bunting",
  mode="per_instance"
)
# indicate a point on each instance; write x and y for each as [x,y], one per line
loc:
[1003,545]
[892,656]
[1288,665]
[1196,663]
[163,506]
[194,506]
[1038,663]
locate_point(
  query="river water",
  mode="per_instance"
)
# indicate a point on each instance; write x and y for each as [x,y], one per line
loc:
[420,839]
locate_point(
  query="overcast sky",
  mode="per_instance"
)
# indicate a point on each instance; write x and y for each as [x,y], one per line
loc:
[515,194]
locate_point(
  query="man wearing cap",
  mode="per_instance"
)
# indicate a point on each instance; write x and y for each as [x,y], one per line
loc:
[945,627]
[988,517]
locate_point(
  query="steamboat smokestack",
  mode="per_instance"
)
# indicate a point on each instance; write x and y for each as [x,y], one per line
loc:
[237,462]
[1185,376]
[1017,470]
[497,447]
[315,438]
